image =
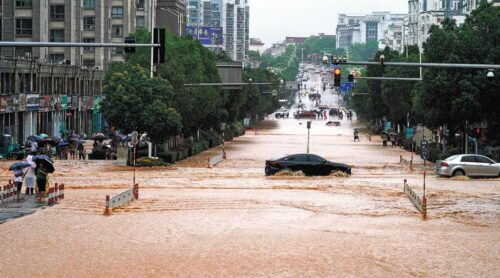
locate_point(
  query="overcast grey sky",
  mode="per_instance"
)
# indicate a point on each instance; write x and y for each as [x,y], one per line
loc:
[273,20]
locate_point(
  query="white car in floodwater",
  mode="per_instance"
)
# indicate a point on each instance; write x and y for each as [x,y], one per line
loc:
[470,165]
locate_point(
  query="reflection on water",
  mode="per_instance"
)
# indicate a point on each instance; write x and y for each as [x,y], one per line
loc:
[232,220]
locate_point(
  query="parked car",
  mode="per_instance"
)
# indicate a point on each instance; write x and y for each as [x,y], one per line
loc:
[305,114]
[334,111]
[309,164]
[470,165]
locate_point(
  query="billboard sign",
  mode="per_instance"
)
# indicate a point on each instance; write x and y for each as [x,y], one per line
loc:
[206,35]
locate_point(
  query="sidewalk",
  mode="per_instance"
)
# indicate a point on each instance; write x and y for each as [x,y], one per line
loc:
[14,209]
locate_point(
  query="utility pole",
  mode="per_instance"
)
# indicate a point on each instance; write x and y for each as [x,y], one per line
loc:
[153,23]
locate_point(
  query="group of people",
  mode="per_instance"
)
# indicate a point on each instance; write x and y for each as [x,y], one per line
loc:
[72,151]
[35,173]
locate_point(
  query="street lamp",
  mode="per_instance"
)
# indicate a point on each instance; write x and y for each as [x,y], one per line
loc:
[490,75]
[382,57]
[325,60]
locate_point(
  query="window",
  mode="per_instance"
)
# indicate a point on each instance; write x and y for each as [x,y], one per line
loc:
[117,30]
[89,63]
[57,58]
[23,52]
[314,158]
[117,12]
[24,27]
[468,158]
[371,31]
[24,3]
[57,35]
[89,23]
[481,159]
[140,5]
[88,49]
[117,50]
[139,21]
[57,12]
[89,4]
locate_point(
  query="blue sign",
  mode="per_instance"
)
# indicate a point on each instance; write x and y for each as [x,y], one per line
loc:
[206,35]
[409,133]
[387,126]
[347,86]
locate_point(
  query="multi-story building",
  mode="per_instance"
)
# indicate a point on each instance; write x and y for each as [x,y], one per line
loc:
[172,15]
[221,25]
[69,21]
[363,29]
[256,45]
[425,13]
[48,98]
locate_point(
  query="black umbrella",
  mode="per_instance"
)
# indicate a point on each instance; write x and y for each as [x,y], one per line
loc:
[47,162]
[19,165]
[63,144]
[47,141]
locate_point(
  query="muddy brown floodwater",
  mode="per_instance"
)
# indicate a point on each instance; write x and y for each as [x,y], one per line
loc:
[232,220]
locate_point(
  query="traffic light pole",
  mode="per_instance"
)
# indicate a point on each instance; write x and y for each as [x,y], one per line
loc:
[425,65]
[75,44]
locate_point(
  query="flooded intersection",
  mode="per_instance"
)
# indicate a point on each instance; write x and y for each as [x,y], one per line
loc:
[232,220]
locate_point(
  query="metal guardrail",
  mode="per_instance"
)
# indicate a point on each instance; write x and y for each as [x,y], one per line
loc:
[212,161]
[419,203]
[121,199]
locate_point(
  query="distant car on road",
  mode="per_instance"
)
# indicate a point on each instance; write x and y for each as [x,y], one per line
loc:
[282,113]
[470,165]
[309,164]
[305,114]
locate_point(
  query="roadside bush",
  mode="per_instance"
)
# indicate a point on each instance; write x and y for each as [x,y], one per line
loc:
[168,157]
[238,129]
[182,153]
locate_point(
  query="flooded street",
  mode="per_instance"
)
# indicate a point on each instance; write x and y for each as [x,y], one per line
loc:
[232,220]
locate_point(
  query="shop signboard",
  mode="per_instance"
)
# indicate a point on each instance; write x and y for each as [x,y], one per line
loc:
[83,103]
[387,126]
[6,104]
[44,103]
[64,102]
[96,103]
[74,102]
[409,133]
[90,103]
[21,102]
[32,102]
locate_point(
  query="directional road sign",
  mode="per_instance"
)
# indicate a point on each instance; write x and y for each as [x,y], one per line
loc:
[424,154]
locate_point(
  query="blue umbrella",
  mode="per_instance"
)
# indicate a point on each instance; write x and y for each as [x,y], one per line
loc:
[43,135]
[19,165]
[63,144]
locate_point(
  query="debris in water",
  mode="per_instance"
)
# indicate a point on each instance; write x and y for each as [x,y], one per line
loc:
[287,172]
[339,174]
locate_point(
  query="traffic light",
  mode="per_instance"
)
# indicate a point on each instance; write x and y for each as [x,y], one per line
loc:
[129,49]
[336,77]
[159,52]
[350,78]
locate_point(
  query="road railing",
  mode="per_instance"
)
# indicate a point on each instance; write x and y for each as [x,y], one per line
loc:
[55,194]
[419,203]
[121,199]
[8,193]
[212,161]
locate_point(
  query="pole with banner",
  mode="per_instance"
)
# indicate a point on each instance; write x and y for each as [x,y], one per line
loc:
[134,142]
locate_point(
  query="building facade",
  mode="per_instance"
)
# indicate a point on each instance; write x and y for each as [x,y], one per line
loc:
[366,28]
[425,13]
[221,25]
[171,14]
[70,21]
[48,98]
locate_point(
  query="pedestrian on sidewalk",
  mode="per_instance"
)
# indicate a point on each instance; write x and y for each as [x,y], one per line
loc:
[30,176]
[18,182]
[81,152]
[356,135]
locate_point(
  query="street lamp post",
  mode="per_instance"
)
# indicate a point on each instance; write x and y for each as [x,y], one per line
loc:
[153,25]
[223,129]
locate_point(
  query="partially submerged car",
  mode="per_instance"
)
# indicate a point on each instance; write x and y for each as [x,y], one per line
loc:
[470,165]
[309,164]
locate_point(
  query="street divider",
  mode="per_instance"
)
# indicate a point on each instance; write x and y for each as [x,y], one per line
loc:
[419,203]
[407,162]
[212,161]
[8,193]
[55,194]
[121,199]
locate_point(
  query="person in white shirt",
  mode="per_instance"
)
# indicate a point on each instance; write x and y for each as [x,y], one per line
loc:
[30,176]
[18,182]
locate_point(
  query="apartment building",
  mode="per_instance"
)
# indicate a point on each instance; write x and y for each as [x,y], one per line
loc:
[221,25]
[425,13]
[353,29]
[69,21]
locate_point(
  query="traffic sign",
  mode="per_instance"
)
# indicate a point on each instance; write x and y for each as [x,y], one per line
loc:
[135,139]
[424,144]
[424,154]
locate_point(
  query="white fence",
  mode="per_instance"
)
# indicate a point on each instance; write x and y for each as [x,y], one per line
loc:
[406,162]
[212,161]
[419,203]
[121,199]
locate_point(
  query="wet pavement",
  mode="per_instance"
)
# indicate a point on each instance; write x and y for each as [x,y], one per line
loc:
[232,220]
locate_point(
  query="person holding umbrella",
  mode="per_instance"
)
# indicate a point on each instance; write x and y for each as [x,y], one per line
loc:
[44,166]
[30,175]
[18,175]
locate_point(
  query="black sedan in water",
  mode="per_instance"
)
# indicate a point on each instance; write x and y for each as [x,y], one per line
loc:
[309,164]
